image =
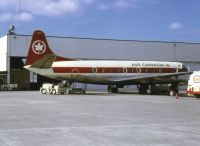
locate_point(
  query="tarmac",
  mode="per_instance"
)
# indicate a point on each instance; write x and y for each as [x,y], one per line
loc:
[98,119]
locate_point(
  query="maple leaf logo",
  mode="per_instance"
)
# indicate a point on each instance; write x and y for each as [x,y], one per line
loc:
[39,47]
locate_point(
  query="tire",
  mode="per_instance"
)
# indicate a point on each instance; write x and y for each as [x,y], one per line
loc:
[142,89]
[67,91]
[43,91]
[172,93]
[53,91]
[114,90]
[5,89]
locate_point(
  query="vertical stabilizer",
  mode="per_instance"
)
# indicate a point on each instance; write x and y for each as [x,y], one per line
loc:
[38,48]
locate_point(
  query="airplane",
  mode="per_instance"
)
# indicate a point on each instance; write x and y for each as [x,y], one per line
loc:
[114,73]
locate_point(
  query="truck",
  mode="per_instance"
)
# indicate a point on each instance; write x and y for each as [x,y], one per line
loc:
[76,90]
[193,88]
[8,87]
[53,89]
[61,88]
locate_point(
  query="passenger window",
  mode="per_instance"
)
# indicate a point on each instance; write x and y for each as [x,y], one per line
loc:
[94,70]
[125,70]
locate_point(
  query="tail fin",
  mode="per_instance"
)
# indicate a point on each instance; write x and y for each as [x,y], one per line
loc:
[38,49]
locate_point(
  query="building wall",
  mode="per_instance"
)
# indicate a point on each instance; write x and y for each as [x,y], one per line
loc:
[19,45]
[126,50]
[3,53]
[113,49]
[188,53]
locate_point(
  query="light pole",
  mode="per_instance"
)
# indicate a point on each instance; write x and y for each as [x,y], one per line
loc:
[174,45]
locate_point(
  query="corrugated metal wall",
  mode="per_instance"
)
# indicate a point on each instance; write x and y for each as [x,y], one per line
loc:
[114,49]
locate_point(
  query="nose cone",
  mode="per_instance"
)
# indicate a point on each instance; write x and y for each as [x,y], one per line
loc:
[27,66]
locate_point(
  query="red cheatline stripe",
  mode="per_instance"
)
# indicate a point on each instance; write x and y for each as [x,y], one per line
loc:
[114,70]
[193,92]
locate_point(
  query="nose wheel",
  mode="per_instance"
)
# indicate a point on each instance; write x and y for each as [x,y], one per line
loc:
[173,89]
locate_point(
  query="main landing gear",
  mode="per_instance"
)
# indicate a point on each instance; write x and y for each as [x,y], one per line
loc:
[158,90]
[171,90]
[112,89]
[143,88]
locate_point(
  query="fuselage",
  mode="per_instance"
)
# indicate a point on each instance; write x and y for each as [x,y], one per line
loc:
[42,60]
[107,71]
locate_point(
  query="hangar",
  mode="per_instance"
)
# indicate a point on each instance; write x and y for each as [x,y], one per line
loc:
[14,48]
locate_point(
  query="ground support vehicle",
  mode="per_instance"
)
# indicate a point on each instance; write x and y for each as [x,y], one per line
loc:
[53,89]
[61,88]
[194,84]
[9,87]
[76,90]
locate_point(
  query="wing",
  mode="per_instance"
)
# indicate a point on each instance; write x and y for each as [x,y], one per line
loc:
[153,78]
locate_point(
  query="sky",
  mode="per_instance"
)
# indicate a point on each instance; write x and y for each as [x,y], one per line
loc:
[148,20]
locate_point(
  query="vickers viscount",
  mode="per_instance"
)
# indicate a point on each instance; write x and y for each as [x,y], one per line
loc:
[114,73]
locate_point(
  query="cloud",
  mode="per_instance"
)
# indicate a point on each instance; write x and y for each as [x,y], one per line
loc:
[176,26]
[180,29]
[17,17]
[51,7]
[33,8]
[9,3]
[125,4]
[88,2]
[5,17]
[103,7]
[9,9]
[23,17]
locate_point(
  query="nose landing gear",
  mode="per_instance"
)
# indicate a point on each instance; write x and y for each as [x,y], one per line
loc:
[173,89]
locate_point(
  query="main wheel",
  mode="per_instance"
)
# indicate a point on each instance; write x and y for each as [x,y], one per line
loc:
[5,89]
[172,93]
[14,89]
[43,91]
[54,91]
[142,89]
[173,89]
[114,90]
[109,89]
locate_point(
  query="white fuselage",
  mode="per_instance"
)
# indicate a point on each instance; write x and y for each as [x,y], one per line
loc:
[106,71]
